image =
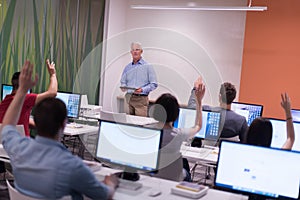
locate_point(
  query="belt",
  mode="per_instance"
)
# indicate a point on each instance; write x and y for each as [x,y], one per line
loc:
[140,95]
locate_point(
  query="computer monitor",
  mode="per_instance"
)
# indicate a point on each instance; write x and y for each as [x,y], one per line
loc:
[249,111]
[7,89]
[296,115]
[131,147]
[258,171]
[280,134]
[210,122]
[72,101]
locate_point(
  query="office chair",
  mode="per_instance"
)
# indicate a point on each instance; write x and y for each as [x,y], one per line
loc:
[16,195]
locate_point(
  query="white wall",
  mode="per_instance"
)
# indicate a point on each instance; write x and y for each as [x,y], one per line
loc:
[181,45]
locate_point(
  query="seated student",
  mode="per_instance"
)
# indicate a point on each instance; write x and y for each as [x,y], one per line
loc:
[166,110]
[42,167]
[30,100]
[260,130]
[233,124]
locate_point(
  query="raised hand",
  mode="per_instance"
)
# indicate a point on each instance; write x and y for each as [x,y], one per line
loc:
[25,80]
[285,102]
[51,67]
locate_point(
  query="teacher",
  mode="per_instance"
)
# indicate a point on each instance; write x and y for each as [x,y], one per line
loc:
[138,80]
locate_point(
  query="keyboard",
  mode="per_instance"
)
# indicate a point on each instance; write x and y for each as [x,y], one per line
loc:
[94,166]
[201,152]
[138,120]
[129,185]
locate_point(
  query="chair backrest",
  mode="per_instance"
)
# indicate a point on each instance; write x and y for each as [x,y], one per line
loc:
[20,128]
[84,100]
[234,139]
[172,171]
[15,194]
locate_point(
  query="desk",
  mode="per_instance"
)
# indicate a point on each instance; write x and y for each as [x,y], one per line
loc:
[129,119]
[3,155]
[75,134]
[164,186]
[79,129]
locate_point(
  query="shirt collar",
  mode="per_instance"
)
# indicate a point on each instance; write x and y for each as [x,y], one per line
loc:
[141,62]
[48,141]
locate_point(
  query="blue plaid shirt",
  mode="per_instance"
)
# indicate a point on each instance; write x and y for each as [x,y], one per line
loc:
[139,75]
[44,168]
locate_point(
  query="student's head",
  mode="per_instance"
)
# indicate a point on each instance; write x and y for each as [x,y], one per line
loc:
[136,51]
[227,93]
[260,132]
[166,108]
[49,116]
[15,80]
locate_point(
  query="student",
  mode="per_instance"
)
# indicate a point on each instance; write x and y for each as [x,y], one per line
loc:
[31,99]
[232,124]
[42,167]
[261,130]
[166,110]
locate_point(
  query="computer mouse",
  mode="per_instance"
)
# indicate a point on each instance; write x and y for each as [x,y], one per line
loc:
[154,193]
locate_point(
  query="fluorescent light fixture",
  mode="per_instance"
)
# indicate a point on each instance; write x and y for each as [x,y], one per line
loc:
[207,8]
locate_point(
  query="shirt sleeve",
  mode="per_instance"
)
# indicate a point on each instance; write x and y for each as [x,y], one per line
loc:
[83,181]
[152,81]
[243,132]
[11,140]
[30,100]
[192,100]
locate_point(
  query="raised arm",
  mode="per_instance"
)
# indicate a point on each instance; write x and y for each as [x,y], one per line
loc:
[199,93]
[53,85]
[13,112]
[286,105]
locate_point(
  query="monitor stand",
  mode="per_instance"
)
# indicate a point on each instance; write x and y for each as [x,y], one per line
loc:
[132,176]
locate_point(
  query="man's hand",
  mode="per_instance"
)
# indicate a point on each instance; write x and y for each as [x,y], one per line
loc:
[25,79]
[199,89]
[111,180]
[138,91]
[51,67]
[286,104]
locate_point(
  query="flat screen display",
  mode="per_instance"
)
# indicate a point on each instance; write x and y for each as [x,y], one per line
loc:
[7,89]
[210,122]
[296,115]
[72,101]
[129,146]
[249,111]
[258,170]
[280,134]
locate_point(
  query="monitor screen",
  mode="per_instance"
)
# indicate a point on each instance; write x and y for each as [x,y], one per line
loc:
[296,115]
[210,122]
[279,134]
[258,170]
[7,89]
[72,101]
[132,147]
[249,111]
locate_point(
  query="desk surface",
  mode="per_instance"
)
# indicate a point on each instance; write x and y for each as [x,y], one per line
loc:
[79,129]
[130,119]
[3,155]
[209,155]
[165,187]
